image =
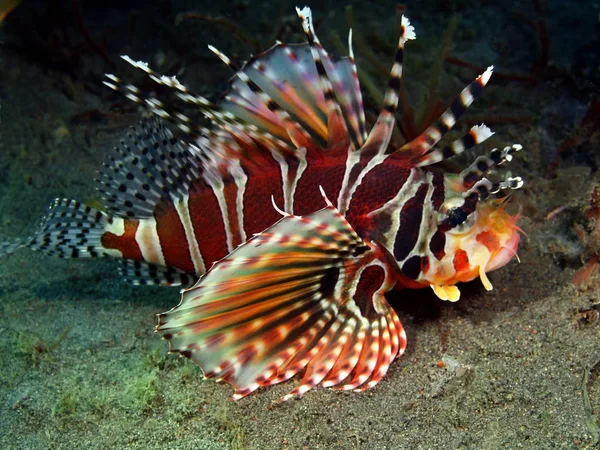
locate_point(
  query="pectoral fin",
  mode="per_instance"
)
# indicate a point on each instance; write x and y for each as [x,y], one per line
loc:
[307,293]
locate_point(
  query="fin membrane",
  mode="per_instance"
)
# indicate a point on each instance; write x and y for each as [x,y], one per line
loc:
[140,273]
[305,294]
[149,167]
[8,246]
[69,230]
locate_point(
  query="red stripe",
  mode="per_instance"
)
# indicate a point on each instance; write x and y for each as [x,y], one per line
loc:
[173,242]
[461,262]
[370,281]
[379,186]
[327,173]
[488,239]
[230,192]
[259,213]
[209,229]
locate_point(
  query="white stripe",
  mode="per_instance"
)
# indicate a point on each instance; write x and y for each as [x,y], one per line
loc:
[396,71]
[117,227]
[448,119]
[434,134]
[482,132]
[214,180]
[351,160]
[302,165]
[240,178]
[466,97]
[289,186]
[147,239]
[283,166]
[393,206]
[183,211]
[348,192]
[458,146]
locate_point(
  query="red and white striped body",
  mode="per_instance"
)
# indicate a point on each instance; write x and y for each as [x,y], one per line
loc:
[218,215]
[381,198]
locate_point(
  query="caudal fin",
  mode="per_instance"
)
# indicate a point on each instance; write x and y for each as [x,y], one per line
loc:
[69,230]
[73,230]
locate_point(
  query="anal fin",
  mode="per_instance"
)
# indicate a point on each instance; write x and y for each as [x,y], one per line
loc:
[146,274]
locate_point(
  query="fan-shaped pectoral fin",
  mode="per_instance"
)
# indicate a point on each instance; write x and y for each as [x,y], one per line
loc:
[305,294]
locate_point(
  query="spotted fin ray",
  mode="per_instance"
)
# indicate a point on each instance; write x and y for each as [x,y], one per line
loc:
[69,230]
[140,273]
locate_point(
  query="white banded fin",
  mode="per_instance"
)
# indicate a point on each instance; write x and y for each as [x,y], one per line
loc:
[148,168]
[140,273]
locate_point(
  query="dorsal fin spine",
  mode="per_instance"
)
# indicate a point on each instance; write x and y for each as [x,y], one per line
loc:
[362,129]
[381,133]
[297,134]
[336,126]
[424,143]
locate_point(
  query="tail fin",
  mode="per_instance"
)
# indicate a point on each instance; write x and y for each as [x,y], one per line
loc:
[69,230]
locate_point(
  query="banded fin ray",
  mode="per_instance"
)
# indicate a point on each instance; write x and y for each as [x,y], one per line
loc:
[146,274]
[476,135]
[421,150]
[226,129]
[320,95]
[307,293]
[338,134]
[381,133]
[69,230]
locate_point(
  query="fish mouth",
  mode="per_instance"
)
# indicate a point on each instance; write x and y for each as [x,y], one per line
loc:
[507,251]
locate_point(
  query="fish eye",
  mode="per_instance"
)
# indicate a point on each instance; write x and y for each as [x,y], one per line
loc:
[457,216]
[460,220]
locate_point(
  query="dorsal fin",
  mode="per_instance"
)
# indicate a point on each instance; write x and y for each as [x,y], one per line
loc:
[287,75]
[287,98]
[423,144]
[298,136]
[381,133]
[149,167]
[296,97]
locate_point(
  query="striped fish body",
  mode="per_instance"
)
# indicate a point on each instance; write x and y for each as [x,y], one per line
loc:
[214,218]
[381,197]
[292,220]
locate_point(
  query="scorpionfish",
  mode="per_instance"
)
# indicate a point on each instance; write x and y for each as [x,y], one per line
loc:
[292,218]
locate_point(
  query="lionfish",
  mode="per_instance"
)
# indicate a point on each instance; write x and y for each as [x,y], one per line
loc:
[295,218]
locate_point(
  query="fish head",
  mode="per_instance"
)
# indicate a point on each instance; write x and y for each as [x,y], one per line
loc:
[469,237]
